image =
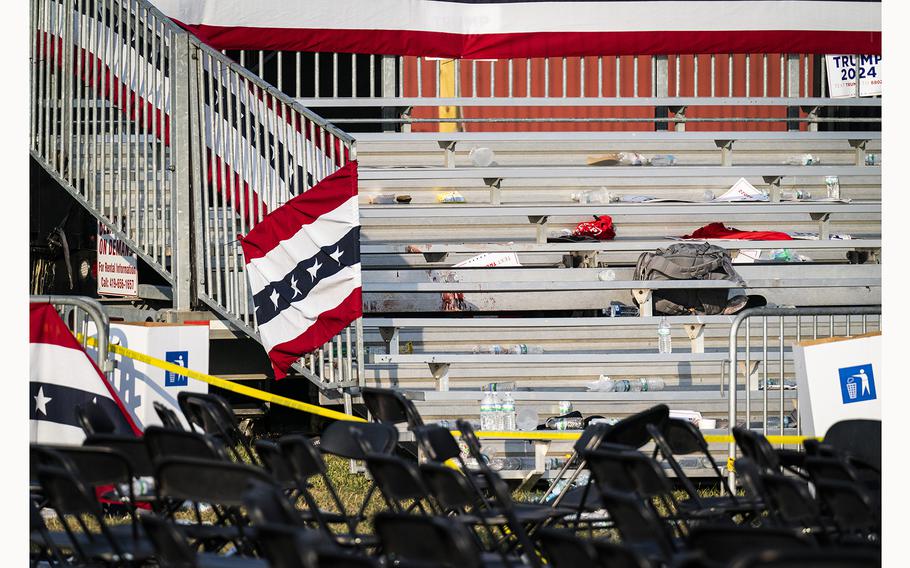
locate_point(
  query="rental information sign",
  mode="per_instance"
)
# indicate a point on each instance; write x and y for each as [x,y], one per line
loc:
[838,378]
[117,273]
[842,70]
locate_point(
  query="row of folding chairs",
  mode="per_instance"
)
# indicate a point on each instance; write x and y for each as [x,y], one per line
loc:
[221,498]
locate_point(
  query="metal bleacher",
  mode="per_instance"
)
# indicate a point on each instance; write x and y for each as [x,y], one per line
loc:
[165,188]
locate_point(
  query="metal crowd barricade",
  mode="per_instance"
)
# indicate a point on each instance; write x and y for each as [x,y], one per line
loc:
[786,325]
[77,323]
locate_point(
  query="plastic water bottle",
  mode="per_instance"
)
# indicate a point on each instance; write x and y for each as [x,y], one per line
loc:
[664,341]
[524,349]
[508,412]
[663,160]
[497,411]
[487,350]
[622,385]
[652,384]
[487,412]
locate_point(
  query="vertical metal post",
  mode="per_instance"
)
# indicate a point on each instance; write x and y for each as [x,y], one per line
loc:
[792,89]
[388,89]
[180,158]
[661,88]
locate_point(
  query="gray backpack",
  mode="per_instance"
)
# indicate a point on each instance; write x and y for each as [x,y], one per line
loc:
[688,261]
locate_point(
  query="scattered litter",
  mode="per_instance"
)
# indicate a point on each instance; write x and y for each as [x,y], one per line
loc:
[403,199]
[382,199]
[490,260]
[617,159]
[481,157]
[450,197]
[742,190]
[803,160]
[663,160]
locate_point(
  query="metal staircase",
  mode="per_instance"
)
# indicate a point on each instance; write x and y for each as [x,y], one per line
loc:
[177,150]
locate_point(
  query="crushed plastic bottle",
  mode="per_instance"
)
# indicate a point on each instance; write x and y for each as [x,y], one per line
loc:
[782,255]
[708,195]
[592,196]
[873,159]
[832,184]
[622,385]
[663,160]
[803,160]
[606,275]
[481,157]
[527,419]
[602,384]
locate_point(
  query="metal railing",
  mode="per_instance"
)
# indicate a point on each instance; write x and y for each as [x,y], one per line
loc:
[77,321]
[780,328]
[102,100]
[175,148]
[319,75]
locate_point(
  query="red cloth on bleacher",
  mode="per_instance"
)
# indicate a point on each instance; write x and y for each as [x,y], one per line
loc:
[719,231]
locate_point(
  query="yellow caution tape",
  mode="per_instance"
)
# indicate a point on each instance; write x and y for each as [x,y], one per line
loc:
[325,412]
[229,385]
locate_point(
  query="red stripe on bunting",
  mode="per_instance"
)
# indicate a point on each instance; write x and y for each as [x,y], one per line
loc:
[286,221]
[536,44]
[326,326]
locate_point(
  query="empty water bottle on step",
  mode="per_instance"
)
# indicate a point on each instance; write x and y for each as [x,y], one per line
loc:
[508,412]
[487,349]
[664,341]
[652,384]
[487,411]
[663,160]
[524,349]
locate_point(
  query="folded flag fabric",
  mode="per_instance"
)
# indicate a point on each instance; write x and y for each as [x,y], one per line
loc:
[303,266]
[719,231]
[61,377]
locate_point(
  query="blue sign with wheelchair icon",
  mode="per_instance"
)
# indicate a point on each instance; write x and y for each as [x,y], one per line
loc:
[857,384]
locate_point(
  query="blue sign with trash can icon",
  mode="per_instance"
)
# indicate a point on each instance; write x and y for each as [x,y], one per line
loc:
[178,358]
[857,384]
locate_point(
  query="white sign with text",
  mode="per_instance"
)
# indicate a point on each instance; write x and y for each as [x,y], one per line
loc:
[842,71]
[117,272]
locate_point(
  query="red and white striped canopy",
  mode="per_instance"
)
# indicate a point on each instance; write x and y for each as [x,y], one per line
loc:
[478,29]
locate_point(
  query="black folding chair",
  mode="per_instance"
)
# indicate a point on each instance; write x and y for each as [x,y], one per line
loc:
[639,526]
[826,558]
[417,540]
[353,440]
[390,406]
[681,437]
[218,484]
[631,431]
[287,547]
[47,543]
[168,417]
[757,448]
[717,546]
[171,549]
[274,462]
[399,481]
[131,447]
[858,440]
[790,504]
[565,550]
[73,500]
[305,463]
[162,443]
[215,417]
[855,513]
[94,420]
[99,466]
